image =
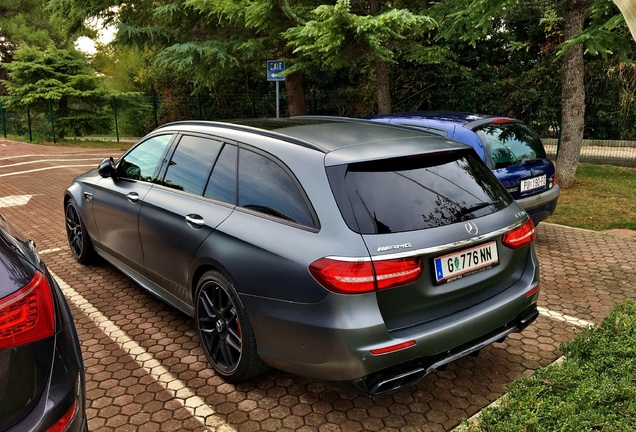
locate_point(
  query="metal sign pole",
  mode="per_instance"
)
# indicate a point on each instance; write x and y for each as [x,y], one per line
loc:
[277,99]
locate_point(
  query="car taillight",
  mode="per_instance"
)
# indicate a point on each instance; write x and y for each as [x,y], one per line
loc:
[393,348]
[66,419]
[520,236]
[27,315]
[500,121]
[356,277]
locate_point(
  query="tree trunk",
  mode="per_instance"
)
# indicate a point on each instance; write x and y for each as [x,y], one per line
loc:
[382,76]
[383,86]
[295,94]
[573,95]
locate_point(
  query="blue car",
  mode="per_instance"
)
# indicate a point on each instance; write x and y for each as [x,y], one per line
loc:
[512,151]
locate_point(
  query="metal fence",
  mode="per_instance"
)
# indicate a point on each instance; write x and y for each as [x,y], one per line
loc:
[130,117]
[134,116]
[611,152]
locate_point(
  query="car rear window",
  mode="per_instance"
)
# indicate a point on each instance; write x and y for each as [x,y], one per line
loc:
[510,143]
[414,193]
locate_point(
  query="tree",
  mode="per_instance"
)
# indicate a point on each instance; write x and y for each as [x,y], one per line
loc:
[471,20]
[37,78]
[23,21]
[206,45]
[338,35]
[573,93]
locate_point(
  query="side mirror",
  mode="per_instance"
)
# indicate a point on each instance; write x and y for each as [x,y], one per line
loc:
[107,168]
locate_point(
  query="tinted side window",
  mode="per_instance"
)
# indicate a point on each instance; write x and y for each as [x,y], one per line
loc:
[142,161]
[267,187]
[222,183]
[414,193]
[191,163]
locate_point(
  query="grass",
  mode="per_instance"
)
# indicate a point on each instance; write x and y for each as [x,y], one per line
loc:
[593,389]
[604,198]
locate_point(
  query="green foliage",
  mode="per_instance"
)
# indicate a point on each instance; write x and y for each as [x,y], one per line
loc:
[606,34]
[27,22]
[470,20]
[593,389]
[336,34]
[39,77]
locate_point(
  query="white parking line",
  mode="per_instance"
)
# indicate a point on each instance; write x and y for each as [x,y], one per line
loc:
[180,392]
[50,160]
[87,153]
[565,318]
[45,169]
[14,200]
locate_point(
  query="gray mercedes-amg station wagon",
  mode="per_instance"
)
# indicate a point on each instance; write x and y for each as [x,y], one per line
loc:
[326,247]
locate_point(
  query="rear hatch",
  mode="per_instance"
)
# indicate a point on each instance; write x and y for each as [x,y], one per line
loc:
[446,212]
[517,157]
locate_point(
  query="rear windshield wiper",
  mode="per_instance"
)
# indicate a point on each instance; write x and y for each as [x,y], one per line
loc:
[463,211]
[533,160]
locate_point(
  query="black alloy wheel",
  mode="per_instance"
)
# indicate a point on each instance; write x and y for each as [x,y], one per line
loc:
[226,334]
[78,239]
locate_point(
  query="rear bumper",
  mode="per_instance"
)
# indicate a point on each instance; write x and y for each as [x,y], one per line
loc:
[542,205]
[333,340]
[409,373]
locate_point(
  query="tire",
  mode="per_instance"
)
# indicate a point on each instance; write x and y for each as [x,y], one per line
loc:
[225,331]
[78,238]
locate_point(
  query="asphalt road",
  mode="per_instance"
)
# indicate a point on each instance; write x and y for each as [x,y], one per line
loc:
[146,372]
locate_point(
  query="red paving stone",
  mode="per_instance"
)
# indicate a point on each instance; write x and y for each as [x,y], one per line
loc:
[582,274]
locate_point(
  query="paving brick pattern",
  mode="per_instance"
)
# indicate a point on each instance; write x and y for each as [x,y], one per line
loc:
[145,370]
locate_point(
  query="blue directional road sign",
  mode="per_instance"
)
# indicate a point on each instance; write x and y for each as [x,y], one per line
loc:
[275,68]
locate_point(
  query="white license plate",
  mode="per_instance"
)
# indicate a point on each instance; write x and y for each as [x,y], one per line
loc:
[533,183]
[466,262]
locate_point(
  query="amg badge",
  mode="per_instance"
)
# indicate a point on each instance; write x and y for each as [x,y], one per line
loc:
[393,247]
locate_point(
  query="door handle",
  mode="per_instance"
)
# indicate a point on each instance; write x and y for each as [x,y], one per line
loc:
[195,220]
[133,197]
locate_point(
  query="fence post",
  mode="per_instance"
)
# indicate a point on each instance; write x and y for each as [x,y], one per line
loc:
[4,126]
[115,115]
[314,102]
[29,123]
[52,120]
[154,110]
[199,107]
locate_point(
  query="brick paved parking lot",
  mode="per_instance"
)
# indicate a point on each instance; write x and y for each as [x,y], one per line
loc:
[146,372]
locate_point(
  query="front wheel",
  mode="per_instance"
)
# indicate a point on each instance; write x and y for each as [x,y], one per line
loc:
[78,239]
[225,330]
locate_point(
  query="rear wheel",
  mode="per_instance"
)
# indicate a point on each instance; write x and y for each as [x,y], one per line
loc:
[78,239]
[225,330]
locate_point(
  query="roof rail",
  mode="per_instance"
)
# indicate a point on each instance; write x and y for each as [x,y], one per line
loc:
[251,129]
